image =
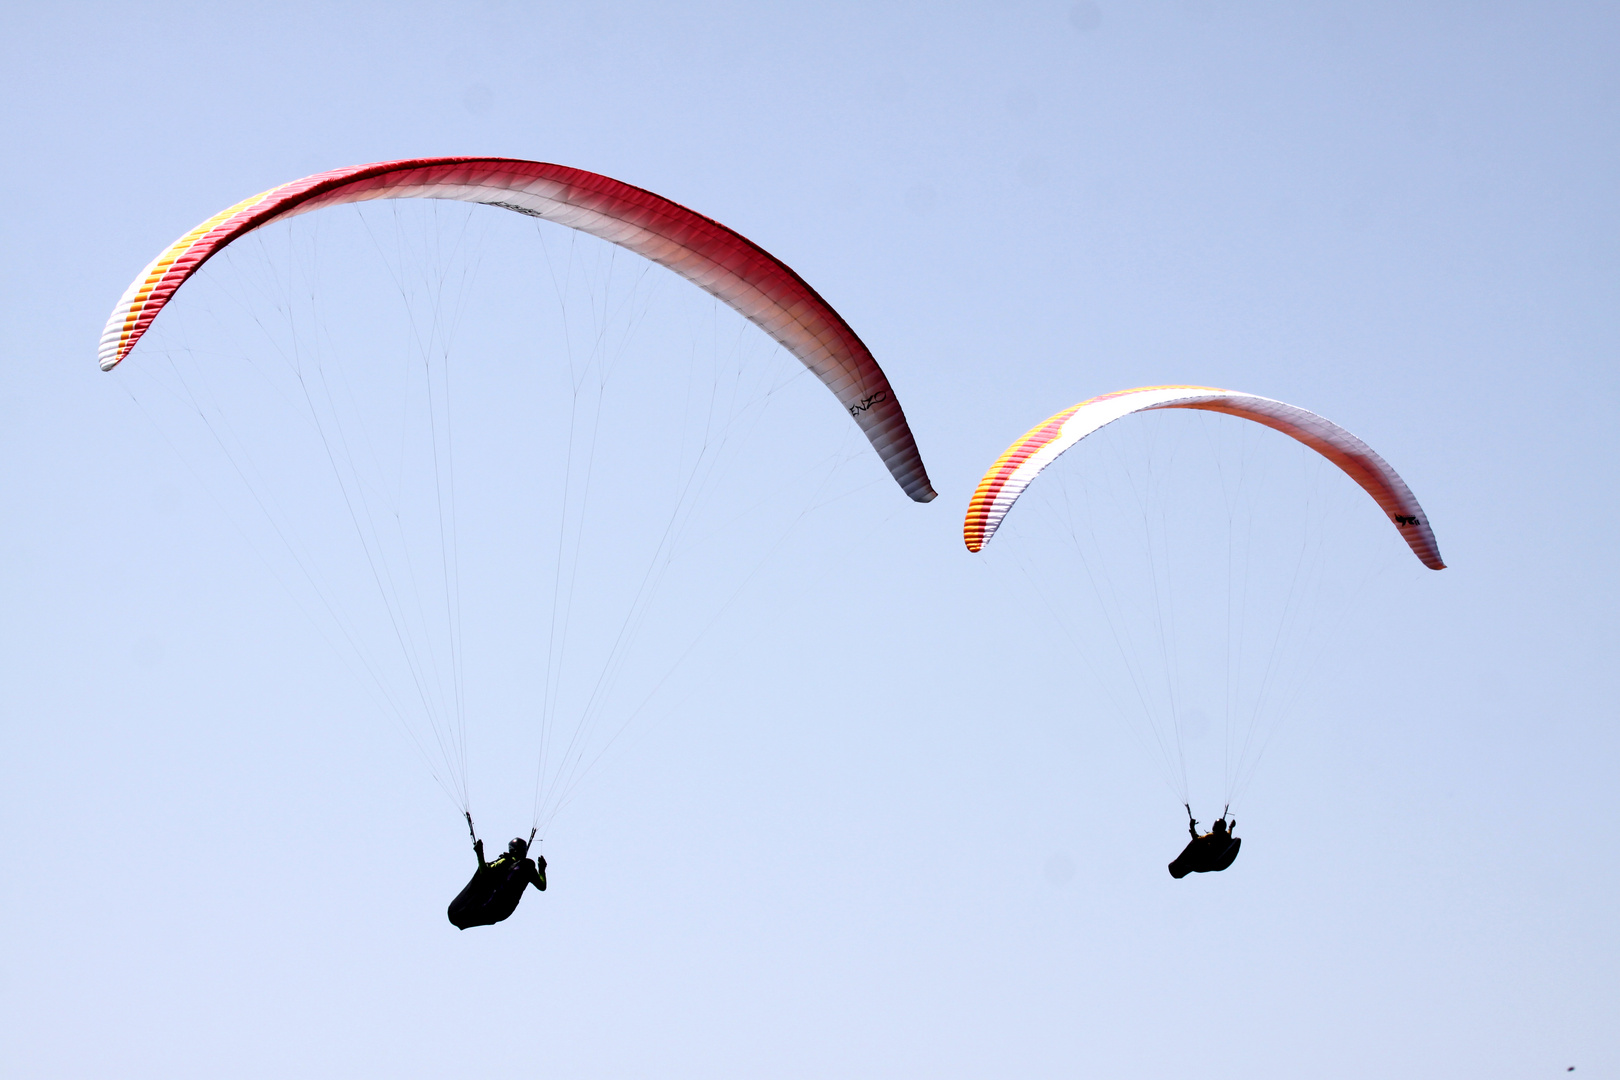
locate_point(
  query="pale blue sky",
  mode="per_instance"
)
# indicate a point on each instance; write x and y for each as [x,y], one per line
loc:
[842,857]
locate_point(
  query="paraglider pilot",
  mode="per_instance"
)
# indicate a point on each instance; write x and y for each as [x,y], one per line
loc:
[496,887]
[1209,852]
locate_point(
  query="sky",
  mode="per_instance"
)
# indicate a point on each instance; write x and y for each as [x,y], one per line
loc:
[883,829]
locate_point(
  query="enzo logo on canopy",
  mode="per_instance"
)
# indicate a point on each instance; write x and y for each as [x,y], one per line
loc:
[514,206]
[866,403]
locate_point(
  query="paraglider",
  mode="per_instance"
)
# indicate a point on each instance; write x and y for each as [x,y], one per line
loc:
[412,566]
[1208,852]
[1157,663]
[496,887]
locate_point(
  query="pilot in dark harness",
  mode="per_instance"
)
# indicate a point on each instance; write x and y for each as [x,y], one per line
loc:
[1209,852]
[496,887]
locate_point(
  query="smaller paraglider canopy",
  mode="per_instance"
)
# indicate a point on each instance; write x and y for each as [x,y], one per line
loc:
[1044,443]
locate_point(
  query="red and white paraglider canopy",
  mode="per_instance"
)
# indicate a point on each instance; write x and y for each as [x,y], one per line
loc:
[718,260]
[1045,442]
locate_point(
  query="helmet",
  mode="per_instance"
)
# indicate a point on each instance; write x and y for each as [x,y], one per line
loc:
[518,846]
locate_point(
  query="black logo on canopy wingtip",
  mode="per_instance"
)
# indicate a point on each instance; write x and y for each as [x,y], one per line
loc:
[515,207]
[867,402]
[1403,519]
